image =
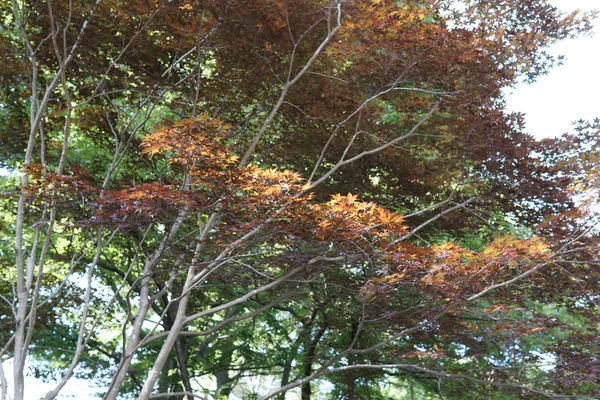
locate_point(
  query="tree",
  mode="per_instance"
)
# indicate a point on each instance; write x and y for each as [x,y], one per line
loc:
[188,221]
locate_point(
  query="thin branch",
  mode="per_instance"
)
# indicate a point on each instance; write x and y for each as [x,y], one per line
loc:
[508,282]
[289,83]
[434,218]
[172,394]
[418,369]
[384,146]
[243,298]
[227,321]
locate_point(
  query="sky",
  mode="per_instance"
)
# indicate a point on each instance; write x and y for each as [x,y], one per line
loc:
[569,92]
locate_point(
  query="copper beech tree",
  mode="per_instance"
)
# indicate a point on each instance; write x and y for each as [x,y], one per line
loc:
[208,199]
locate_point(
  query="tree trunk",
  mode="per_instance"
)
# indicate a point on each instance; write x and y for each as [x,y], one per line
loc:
[306,390]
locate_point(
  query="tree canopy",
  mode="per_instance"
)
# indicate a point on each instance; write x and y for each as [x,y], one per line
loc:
[212,199]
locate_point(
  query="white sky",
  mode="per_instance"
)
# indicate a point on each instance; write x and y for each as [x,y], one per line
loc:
[569,92]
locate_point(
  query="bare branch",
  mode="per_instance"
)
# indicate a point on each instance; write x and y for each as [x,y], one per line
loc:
[343,161]
[289,83]
[434,218]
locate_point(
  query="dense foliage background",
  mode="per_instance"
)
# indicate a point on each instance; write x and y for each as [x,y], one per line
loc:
[314,199]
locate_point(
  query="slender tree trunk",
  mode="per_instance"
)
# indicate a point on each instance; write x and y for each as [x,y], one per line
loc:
[166,383]
[144,306]
[287,368]
[182,352]
[223,380]
[306,390]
